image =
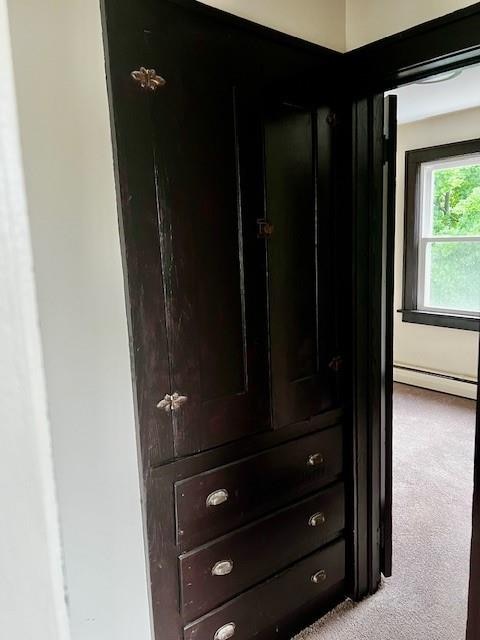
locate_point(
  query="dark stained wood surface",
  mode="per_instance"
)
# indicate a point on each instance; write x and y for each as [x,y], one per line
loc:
[190,175]
[448,42]
[255,486]
[267,610]
[259,550]
[360,346]
[215,319]
[388,261]
[301,269]
[258,67]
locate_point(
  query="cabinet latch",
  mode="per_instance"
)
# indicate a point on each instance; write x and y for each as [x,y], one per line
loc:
[336,363]
[264,228]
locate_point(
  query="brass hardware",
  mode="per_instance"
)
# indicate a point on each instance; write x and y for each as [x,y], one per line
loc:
[336,363]
[320,576]
[317,519]
[315,459]
[148,78]
[217,497]
[331,119]
[172,402]
[264,228]
[225,632]
[222,568]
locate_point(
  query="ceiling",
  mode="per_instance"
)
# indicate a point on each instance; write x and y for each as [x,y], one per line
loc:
[419,101]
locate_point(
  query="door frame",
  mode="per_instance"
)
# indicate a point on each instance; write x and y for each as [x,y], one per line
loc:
[443,44]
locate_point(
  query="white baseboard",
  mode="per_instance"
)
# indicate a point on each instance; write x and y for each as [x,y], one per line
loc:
[435,382]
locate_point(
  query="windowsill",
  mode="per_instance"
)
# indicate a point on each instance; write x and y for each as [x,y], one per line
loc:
[440,319]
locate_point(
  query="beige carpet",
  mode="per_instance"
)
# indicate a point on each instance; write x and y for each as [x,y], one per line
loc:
[426,598]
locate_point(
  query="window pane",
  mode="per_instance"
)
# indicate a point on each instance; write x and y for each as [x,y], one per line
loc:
[456,201]
[452,276]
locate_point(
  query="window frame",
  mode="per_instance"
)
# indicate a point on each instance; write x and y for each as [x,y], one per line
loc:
[417,162]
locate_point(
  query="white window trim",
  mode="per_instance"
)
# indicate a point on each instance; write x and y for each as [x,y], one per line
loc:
[426,225]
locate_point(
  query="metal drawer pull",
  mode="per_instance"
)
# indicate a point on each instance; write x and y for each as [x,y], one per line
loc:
[225,632]
[315,459]
[222,568]
[320,576]
[217,497]
[172,402]
[317,519]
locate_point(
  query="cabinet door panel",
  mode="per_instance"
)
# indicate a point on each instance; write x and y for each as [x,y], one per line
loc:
[297,174]
[215,325]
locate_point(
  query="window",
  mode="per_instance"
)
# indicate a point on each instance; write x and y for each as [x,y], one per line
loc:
[442,236]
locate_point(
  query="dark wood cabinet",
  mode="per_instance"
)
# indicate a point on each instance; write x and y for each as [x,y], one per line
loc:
[250,170]
[225,173]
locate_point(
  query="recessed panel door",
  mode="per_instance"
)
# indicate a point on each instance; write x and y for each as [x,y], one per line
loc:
[215,299]
[301,273]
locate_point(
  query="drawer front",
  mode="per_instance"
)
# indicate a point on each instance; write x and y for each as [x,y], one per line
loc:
[272,604]
[224,568]
[223,499]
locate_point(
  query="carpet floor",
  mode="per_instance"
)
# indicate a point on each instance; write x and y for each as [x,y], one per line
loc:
[426,598]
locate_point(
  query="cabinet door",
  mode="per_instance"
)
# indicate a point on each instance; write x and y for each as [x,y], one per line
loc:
[301,274]
[215,299]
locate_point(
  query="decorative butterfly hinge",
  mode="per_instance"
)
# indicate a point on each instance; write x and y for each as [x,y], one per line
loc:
[148,78]
[172,402]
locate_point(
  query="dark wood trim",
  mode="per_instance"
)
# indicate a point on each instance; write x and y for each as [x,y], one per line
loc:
[473,624]
[411,233]
[445,43]
[359,348]
[412,224]
[389,210]
[440,45]
[441,151]
[440,319]
[368,309]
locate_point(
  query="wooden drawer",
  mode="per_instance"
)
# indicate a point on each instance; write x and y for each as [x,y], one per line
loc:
[223,499]
[224,568]
[270,606]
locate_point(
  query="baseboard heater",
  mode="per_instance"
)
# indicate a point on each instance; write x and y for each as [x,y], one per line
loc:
[435,374]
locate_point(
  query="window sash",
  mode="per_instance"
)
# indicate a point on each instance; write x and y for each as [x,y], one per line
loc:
[421,283]
[426,185]
[426,225]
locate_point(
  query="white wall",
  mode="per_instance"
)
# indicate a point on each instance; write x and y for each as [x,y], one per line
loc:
[369,20]
[32,601]
[438,349]
[319,21]
[64,123]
